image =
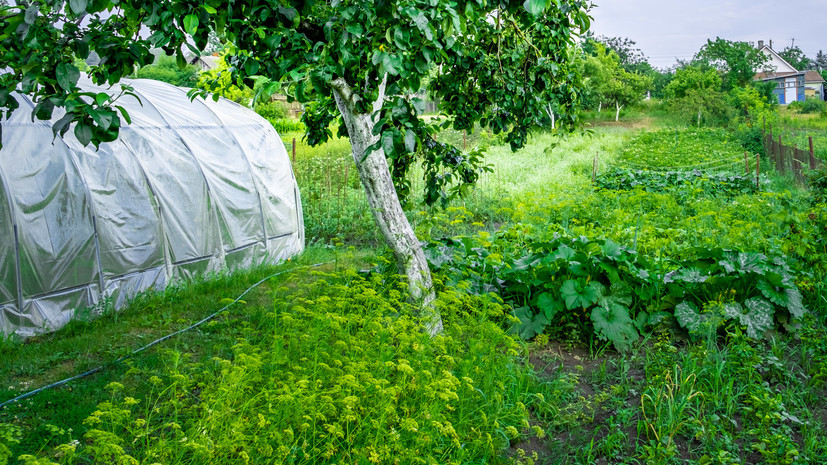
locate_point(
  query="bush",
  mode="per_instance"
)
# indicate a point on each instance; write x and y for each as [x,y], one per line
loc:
[272,110]
[284,125]
[750,137]
[811,105]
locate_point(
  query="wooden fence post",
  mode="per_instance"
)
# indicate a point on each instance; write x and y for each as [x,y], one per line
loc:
[812,155]
[797,165]
[294,150]
[781,164]
[757,171]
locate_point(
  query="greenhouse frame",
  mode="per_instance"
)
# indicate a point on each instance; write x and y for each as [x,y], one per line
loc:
[188,188]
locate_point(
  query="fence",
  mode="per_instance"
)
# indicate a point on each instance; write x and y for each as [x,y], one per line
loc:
[790,159]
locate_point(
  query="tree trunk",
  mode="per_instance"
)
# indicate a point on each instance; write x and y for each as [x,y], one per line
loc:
[599,106]
[617,115]
[699,118]
[384,203]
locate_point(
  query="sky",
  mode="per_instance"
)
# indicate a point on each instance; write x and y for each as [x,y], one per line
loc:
[668,29]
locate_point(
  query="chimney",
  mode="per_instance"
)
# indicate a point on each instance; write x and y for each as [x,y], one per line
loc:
[770,44]
[760,44]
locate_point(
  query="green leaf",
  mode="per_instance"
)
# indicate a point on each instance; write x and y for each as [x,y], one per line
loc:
[689,317]
[78,6]
[759,317]
[67,76]
[62,125]
[579,295]
[190,24]
[530,324]
[355,29]
[775,295]
[611,250]
[548,305]
[209,9]
[31,13]
[101,98]
[794,304]
[83,131]
[535,7]
[614,324]
[410,140]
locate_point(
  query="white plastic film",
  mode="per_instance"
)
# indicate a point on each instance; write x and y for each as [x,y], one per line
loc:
[188,188]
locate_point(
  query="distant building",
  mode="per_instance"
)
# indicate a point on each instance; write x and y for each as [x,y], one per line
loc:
[791,84]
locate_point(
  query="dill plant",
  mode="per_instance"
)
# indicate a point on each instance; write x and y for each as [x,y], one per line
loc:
[340,372]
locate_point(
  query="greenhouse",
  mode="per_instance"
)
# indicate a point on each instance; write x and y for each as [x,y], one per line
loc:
[189,187]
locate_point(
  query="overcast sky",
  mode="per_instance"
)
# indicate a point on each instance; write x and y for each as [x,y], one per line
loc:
[670,29]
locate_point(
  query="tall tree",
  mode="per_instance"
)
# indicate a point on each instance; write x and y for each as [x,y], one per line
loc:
[820,62]
[796,57]
[359,61]
[736,61]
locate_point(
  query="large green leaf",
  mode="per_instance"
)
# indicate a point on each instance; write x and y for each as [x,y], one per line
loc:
[794,304]
[758,318]
[689,317]
[67,76]
[549,305]
[531,324]
[614,324]
[578,294]
[535,7]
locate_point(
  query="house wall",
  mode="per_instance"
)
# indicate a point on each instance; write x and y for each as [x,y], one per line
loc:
[780,89]
[814,89]
[777,64]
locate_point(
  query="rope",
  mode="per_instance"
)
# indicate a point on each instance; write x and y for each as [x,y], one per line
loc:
[157,341]
[700,166]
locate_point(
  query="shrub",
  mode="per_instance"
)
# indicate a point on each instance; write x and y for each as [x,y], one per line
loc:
[811,105]
[285,125]
[272,110]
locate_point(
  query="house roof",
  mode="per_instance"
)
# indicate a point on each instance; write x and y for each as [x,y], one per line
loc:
[813,76]
[771,76]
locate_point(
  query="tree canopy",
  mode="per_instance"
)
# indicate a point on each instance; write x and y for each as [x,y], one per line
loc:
[610,82]
[796,57]
[736,61]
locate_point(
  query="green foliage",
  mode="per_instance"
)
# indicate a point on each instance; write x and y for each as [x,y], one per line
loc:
[674,150]
[340,370]
[810,105]
[695,94]
[796,57]
[687,185]
[736,61]
[286,125]
[608,82]
[165,68]
[9,434]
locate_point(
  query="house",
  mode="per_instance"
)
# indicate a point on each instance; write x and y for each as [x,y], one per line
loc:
[791,84]
[814,85]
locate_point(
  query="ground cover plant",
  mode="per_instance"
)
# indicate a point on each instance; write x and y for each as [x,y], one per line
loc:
[674,149]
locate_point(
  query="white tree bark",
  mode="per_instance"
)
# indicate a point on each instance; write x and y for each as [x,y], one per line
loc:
[617,115]
[384,203]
